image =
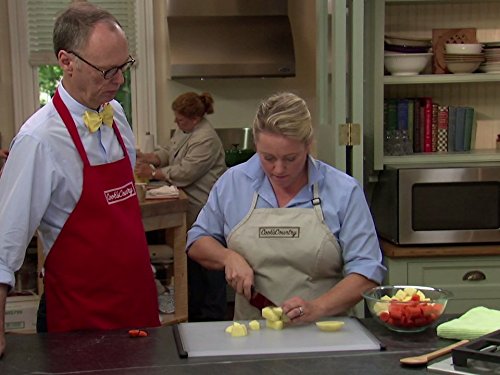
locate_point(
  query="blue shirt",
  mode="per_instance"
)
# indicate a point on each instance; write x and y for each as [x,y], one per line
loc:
[342,200]
[42,179]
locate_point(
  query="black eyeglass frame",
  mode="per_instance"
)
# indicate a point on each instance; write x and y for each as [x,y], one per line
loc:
[111,72]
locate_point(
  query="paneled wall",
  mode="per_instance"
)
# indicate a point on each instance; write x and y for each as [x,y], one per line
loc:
[6,104]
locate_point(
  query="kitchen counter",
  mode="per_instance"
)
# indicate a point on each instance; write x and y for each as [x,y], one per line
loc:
[115,352]
[394,251]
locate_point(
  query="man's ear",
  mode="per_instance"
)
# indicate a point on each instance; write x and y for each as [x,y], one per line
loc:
[65,61]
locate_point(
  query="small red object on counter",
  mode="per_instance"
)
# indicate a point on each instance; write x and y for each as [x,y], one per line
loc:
[137,333]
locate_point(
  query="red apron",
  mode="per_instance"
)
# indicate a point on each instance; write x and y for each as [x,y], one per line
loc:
[98,273]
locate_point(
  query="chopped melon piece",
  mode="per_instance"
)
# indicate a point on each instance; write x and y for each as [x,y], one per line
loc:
[386,298]
[239,330]
[277,324]
[378,307]
[272,313]
[329,326]
[400,294]
[254,325]
[410,291]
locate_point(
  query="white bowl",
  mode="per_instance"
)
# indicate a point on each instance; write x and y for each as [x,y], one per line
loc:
[464,49]
[406,64]
[460,67]
[408,42]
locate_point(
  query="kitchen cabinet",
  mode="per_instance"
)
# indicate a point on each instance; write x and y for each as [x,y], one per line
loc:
[471,273]
[478,90]
[351,85]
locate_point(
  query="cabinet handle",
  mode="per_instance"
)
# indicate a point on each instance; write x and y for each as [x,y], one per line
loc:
[474,276]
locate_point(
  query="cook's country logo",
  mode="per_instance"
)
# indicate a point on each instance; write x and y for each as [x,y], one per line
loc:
[120,193]
[279,232]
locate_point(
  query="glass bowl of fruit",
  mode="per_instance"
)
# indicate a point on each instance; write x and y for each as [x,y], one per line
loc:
[406,308]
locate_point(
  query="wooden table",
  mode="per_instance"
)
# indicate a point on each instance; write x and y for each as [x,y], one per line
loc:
[170,214]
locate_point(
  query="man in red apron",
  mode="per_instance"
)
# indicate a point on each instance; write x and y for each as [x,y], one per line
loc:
[80,192]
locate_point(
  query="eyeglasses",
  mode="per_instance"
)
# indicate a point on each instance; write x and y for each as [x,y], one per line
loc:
[111,72]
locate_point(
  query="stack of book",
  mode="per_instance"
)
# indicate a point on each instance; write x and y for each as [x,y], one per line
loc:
[431,127]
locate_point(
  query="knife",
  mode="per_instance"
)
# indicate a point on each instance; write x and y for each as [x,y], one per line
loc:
[259,300]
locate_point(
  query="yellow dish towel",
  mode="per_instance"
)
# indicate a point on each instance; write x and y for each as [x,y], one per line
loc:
[476,322]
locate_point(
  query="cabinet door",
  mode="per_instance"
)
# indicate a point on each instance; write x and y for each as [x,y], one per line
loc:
[340,81]
[473,281]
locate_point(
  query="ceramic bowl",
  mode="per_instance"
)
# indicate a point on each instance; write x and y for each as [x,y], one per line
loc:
[407,42]
[406,308]
[464,49]
[406,64]
[462,67]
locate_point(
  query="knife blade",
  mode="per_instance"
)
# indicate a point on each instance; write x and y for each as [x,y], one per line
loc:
[260,301]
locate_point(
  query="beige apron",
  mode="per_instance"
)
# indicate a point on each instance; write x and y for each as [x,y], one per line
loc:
[291,250]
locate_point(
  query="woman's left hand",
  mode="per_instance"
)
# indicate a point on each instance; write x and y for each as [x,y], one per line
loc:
[300,311]
[143,170]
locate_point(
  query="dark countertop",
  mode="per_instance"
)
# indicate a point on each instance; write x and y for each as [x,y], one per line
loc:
[114,352]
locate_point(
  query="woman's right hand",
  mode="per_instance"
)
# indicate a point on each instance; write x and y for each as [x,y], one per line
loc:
[239,274]
[147,158]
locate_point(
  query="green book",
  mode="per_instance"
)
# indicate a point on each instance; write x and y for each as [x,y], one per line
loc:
[392,114]
[469,126]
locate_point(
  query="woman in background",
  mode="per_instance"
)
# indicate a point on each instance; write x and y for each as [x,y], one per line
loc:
[193,160]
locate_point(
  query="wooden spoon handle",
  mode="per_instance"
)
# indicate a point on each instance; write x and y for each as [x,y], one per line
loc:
[445,350]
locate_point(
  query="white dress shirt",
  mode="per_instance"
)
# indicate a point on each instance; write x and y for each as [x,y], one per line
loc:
[42,179]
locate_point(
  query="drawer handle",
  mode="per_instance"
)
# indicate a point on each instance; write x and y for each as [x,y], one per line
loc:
[474,276]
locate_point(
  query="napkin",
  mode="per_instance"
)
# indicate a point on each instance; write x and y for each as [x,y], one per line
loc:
[476,322]
[163,192]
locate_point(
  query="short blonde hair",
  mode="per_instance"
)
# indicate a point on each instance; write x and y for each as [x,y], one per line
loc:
[284,114]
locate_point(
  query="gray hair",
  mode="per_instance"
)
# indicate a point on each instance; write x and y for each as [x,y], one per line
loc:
[284,114]
[74,25]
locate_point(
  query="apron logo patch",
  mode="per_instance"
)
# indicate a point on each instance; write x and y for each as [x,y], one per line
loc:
[279,232]
[120,193]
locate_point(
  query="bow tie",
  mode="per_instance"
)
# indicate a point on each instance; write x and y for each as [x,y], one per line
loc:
[93,120]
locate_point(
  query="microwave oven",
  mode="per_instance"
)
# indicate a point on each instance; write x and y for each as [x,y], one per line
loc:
[426,206]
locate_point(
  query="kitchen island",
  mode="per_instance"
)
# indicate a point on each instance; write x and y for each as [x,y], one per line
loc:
[114,352]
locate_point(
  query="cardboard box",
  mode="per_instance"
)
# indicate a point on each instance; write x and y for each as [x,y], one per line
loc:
[20,314]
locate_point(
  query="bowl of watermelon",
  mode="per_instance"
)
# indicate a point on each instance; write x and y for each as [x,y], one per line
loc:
[406,308]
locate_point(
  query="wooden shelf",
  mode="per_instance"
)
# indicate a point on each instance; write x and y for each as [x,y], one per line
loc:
[441,78]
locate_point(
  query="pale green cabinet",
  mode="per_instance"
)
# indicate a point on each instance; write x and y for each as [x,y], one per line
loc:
[417,18]
[473,280]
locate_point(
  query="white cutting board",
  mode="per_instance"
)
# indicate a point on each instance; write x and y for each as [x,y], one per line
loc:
[210,339]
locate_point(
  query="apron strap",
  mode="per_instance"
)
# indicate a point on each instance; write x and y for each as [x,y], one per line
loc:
[70,125]
[316,202]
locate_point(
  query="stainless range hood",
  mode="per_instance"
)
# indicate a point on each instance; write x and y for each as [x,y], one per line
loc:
[229,39]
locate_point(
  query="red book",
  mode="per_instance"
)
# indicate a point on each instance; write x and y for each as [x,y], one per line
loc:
[427,106]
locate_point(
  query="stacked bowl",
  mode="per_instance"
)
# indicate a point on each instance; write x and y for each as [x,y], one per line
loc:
[492,58]
[406,56]
[462,58]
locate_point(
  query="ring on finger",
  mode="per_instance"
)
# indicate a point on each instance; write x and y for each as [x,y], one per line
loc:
[301,311]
